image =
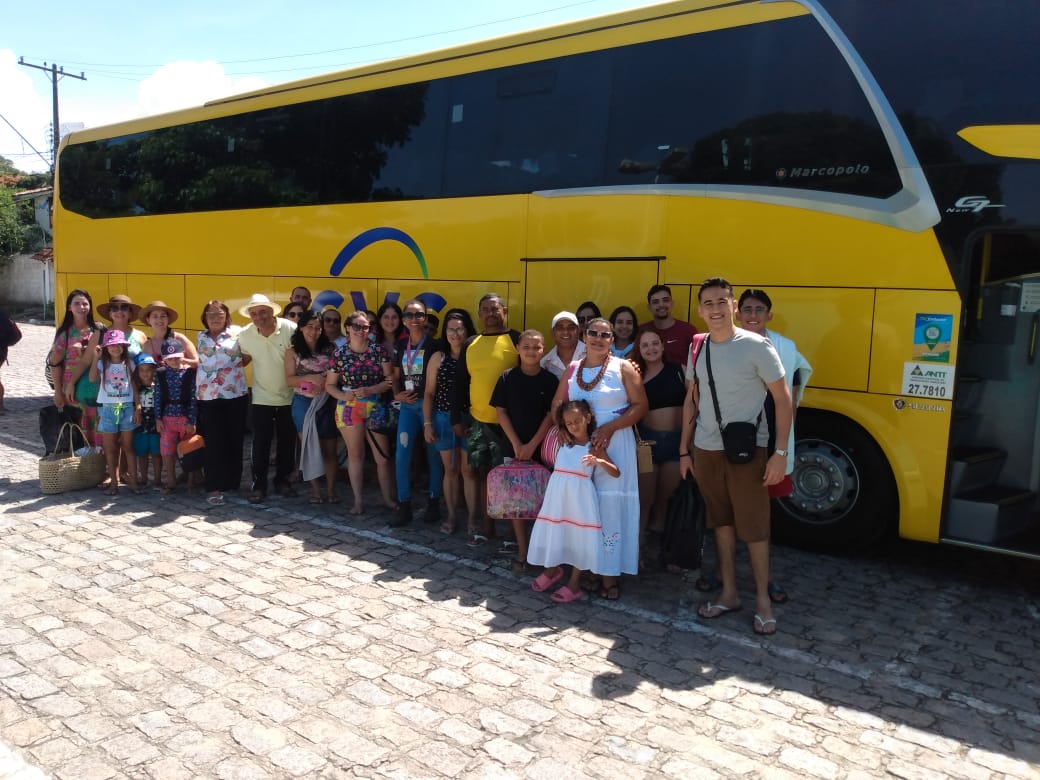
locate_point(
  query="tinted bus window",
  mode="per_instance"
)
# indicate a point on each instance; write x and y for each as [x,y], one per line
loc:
[531,127]
[765,105]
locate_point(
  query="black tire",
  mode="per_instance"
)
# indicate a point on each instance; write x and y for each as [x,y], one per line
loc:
[845,496]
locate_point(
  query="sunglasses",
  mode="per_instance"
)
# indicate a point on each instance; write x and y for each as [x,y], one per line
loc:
[295,314]
[599,334]
[583,319]
[359,328]
[119,307]
[414,315]
[332,322]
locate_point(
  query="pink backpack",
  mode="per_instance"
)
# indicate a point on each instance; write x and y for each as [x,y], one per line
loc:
[515,490]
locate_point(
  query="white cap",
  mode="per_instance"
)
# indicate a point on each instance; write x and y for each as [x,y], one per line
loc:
[565,315]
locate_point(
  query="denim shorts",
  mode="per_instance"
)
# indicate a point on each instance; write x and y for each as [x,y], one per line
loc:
[324,419]
[116,418]
[665,447]
[446,438]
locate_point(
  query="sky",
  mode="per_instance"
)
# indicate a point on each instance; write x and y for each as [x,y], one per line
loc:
[151,57]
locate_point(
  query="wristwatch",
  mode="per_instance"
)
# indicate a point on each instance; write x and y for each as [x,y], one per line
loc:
[781,453]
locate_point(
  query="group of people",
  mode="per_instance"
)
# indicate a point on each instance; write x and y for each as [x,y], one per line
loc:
[476,395]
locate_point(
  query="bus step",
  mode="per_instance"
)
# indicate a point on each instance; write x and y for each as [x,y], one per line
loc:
[975,467]
[988,514]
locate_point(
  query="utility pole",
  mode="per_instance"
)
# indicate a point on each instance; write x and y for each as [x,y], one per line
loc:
[55,73]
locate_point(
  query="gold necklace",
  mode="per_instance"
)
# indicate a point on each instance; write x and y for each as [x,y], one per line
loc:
[588,386]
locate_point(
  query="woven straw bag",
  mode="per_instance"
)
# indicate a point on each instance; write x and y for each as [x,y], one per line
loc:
[64,471]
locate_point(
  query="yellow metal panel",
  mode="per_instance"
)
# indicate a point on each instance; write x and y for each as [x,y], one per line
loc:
[460,238]
[894,322]
[780,245]
[235,291]
[1005,140]
[832,328]
[440,296]
[562,285]
[95,284]
[616,226]
[144,288]
[913,439]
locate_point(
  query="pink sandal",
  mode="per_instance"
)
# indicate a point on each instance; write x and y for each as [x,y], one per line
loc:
[543,581]
[565,595]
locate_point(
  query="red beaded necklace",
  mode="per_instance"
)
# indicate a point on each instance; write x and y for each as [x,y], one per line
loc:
[588,386]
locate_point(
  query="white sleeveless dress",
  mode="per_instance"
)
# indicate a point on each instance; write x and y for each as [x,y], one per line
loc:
[618,498]
[568,530]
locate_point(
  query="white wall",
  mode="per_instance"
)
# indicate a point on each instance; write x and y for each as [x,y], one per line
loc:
[23,282]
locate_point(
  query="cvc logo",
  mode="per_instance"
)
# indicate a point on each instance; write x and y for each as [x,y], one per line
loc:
[972,204]
[352,248]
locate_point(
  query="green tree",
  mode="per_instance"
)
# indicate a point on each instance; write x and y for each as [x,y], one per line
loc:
[18,231]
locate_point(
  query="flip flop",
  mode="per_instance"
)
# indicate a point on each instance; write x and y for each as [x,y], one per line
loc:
[722,609]
[476,540]
[215,500]
[543,581]
[777,594]
[565,595]
[762,627]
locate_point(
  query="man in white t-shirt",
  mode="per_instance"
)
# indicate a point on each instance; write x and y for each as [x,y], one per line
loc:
[568,347]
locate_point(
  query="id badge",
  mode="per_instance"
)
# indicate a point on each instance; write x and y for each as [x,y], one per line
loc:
[409,385]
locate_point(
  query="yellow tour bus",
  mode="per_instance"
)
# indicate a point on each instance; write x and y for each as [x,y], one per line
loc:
[872,165]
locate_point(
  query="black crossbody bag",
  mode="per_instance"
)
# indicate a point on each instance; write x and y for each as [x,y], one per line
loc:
[739,439]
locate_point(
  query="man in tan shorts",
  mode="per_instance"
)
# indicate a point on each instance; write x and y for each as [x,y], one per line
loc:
[744,367]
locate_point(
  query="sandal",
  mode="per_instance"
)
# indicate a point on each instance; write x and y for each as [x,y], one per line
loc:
[565,595]
[215,500]
[777,594]
[544,581]
[507,548]
[610,592]
[315,500]
[476,540]
[111,490]
[333,500]
[447,527]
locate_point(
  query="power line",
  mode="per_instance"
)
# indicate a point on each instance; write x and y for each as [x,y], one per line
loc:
[353,48]
[26,141]
[55,75]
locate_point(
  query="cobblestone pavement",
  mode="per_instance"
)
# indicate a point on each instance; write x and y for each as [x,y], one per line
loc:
[143,637]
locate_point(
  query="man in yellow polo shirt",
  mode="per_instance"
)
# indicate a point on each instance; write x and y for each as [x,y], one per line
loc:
[484,358]
[266,339]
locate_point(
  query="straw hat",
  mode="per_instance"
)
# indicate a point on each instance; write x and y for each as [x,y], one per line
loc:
[104,308]
[158,306]
[255,302]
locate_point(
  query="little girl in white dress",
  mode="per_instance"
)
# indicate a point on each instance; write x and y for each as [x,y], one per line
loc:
[568,530]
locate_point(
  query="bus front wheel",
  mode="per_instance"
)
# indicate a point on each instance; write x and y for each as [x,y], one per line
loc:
[845,496]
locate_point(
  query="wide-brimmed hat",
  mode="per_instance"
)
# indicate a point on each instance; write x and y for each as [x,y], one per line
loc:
[256,301]
[158,306]
[103,309]
[114,337]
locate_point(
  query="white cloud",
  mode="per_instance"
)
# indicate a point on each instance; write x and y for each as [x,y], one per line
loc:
[28,109]
[25,101]
[184,84]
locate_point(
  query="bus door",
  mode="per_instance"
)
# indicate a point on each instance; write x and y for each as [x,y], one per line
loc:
[995,476]
[552,285]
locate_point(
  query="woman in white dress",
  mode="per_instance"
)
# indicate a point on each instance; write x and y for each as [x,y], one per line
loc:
[614,390]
